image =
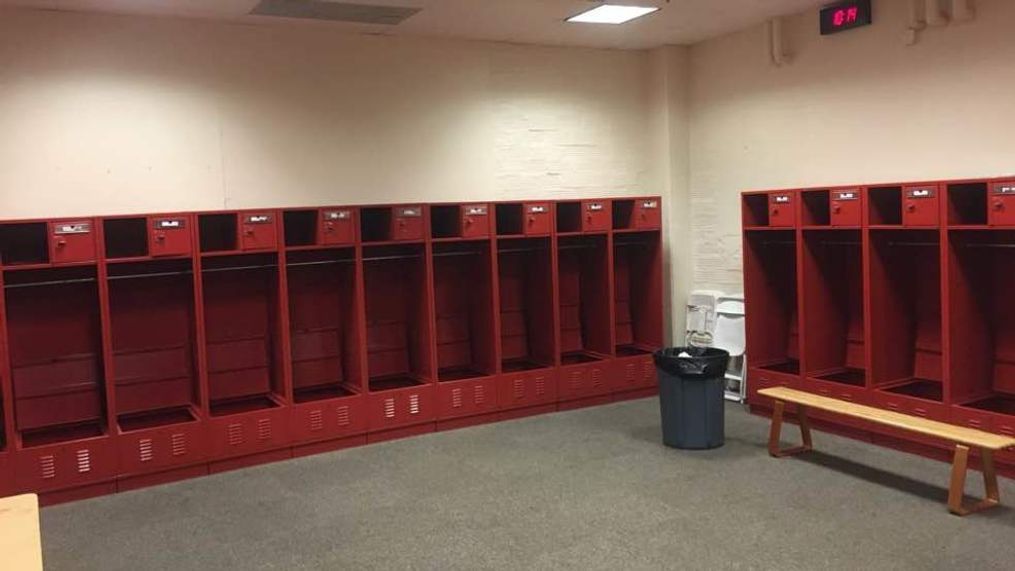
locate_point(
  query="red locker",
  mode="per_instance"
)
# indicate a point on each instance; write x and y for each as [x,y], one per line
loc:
[475,220]
[466,398]
[258,231]
[337,227]
[527,388]
[329,419]
[537,218]
[72,241]
[66,465]
[846,207]
[1002,203]
[239,431]
[583,380]
[170,236]
[782,209]
[397,408]
[596,215]
[144,450]
[921,205]
[648,214]
[408,223]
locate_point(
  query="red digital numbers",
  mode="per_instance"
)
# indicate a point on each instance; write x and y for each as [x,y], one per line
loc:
[845,16]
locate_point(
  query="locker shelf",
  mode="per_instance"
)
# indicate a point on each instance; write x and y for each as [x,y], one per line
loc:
[637,293]
[217,232]
[885,206]
[905,305]
[24,244]
[919,388]
[999,403]
[832,268]
[155,418]
[510,219]
[397,317]
[525,280]
[754,210]
[153,333]
[300,227]
[583,275]
[323,314]
[126,237]
[967,204]
[770,287]
[242,332]
[463,293]
[55,353]
[579,357]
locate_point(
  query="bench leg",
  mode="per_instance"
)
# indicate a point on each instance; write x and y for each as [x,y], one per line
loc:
[958,484]
[776,431]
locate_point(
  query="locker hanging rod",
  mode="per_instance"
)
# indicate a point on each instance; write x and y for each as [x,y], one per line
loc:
[998,246]
[779,243]
[915,244]
[830,243]
[49,283]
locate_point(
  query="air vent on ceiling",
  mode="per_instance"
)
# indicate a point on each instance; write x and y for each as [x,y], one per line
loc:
[334,11]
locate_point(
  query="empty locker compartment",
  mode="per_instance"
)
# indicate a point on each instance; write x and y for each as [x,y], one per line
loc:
[637,292]
[217,232]
[55,352]
[242,333]
[125,237]
[884,206]
[770,289]
[967,204]
[463,292]
[817,209]
[323,317]
[24,244]
[583,275]
[981,308]
[832,272]
[569,217]
[299,228]
[905,313]
[397,317]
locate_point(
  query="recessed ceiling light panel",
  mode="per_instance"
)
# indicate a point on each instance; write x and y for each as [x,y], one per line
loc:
[612,14]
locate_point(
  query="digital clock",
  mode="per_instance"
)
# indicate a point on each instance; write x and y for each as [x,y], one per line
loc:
[843,16]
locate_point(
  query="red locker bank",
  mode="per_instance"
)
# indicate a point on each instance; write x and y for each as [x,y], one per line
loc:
[141,349]
[891,295]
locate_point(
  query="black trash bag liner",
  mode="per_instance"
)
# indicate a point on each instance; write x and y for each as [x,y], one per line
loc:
[703,363]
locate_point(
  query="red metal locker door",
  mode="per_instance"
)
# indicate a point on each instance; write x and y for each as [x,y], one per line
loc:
[648,215]
[475,220]
[537,218]
[170,236]
[846,207]
[408,223]
[1002,203]
[920,206]
[258,231]
[337,227]
[65,465]
[160,448]
[71,241]
[596,216]
[329,419]
[781,210]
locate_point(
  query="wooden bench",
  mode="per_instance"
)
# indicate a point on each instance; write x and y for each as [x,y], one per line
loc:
[964,439]
[20,546]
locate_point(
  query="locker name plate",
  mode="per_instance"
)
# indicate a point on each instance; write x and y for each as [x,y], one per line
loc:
[73,228]
[596,206]
[475,211]
[781,199]
[410,212]
[537,209]
[848,195]
[655,204]
[921,193]
[170,223]
[258,219]
[337,215]
[1004,189]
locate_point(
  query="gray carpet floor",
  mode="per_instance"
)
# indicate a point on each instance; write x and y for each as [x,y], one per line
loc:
[588,489]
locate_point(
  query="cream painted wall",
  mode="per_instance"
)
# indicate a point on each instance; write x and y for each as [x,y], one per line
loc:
[105,114]
[859,107]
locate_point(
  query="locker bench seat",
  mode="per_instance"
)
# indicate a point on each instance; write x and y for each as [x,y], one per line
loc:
[20,541]
[964,439]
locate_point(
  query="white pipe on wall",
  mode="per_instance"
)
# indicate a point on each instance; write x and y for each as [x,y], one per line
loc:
[776,48]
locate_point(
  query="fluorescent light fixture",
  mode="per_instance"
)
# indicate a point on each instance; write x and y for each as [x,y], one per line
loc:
[612,14]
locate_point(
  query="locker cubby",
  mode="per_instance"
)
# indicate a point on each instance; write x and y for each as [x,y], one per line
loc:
[884,206]
[375,224]
[832,270]
[510,219]
[754,210]
[217,232]
[242,333]
[770,282]
[397,317]
[463,294]
[816,208]
[153,336]
[905,313]
[126,237]
[55,352]
[982,319]
[569,217]
[525,280]
[24,243]
[637,292]
[967,204]
[583,280]
[300,228]
[445,221]
[623,214]
[323,319]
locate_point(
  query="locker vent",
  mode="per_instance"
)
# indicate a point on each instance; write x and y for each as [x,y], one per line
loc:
[519,387]
[575,380]
[145,452]
[47,467]
[335,11]
[179,444]
[597,378]
[540,386]
[647,369]
[630,370]
[84,458]
[414,404]
[480,395]
[456,398]
[235,434]
[264,429]
[343,415]
[316,420]
[389,408]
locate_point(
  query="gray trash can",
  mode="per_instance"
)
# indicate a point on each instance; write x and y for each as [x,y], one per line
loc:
[691,396]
